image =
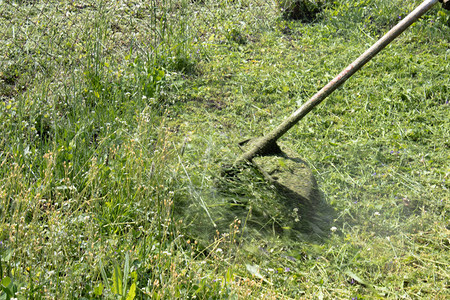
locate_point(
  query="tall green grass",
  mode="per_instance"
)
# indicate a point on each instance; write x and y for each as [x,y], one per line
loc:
[86,152]
[116,119]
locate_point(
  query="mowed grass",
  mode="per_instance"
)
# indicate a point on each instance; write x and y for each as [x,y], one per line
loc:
[117,118]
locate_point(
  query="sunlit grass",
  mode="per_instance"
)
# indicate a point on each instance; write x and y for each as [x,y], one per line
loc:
[118,117]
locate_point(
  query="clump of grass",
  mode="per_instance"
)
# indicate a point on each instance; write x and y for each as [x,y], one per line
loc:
[304,10]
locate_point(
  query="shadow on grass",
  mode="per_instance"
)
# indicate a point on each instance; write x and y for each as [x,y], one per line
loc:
[299,194]
[290,202]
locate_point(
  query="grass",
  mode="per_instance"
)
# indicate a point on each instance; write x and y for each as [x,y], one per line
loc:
[117,117]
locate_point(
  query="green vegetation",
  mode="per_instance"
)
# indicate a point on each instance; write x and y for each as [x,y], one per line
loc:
[117,117]
[305,10]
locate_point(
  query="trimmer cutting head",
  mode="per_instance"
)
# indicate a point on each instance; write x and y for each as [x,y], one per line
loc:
[288,172]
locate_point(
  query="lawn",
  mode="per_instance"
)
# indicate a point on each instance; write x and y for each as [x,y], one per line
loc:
[119,117]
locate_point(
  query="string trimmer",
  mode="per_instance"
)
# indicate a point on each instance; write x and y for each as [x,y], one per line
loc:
[279,164]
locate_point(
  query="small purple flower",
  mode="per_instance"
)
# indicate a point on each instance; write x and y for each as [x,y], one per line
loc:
[287,269]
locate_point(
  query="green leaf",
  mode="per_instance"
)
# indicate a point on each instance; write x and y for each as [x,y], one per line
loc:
[98,290]
[132,292]
[105,278]
[229,275]
[6,281]
[356,277]
[366,283]
[254,270]
[7,255]
[126,271]
[117,280]
[134,276]
[6,287]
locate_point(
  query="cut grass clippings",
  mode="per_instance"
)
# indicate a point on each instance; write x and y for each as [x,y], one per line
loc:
[117,117]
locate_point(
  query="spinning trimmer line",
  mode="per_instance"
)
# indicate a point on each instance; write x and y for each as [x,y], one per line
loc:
[281,165]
